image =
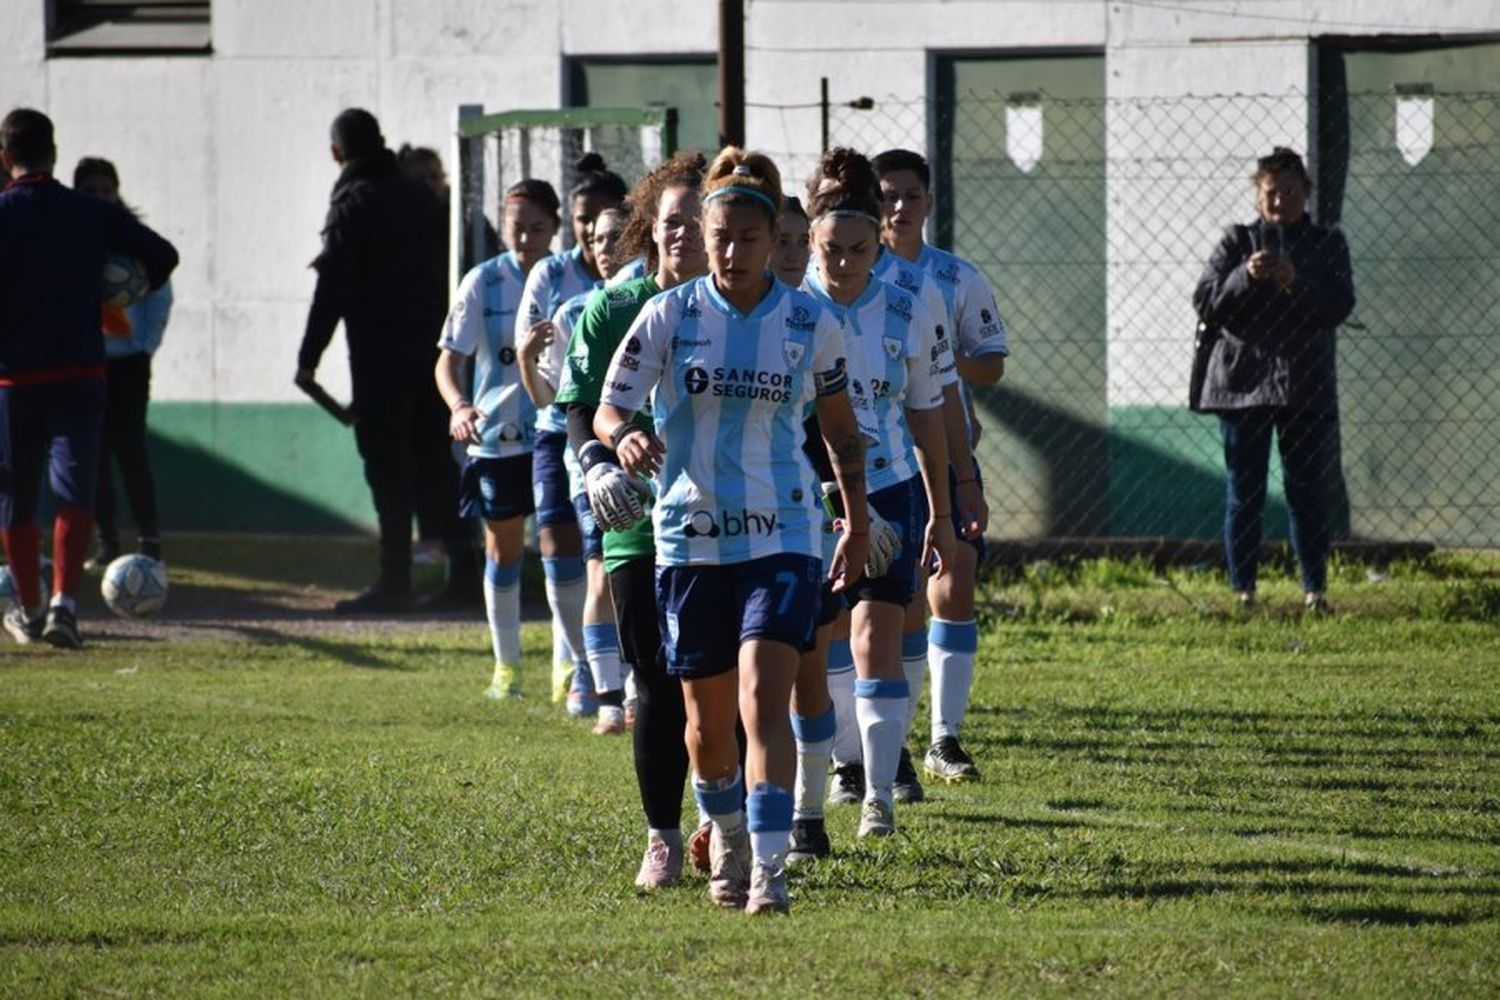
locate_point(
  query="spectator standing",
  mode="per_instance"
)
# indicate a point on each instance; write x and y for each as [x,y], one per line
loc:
[131,337]
[383,272]
[1273,294]
[53,246]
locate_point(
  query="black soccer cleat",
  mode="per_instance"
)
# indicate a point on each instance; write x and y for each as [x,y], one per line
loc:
[848,785]
[947,761]
[809,841]
[61,629]
[907,787]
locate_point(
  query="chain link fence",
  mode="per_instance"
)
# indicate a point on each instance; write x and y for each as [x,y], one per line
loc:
[1095,220]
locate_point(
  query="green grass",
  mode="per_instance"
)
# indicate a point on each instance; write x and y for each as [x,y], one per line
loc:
[1175,802]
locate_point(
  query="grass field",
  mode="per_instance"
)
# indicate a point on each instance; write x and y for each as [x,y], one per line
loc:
[1177,800]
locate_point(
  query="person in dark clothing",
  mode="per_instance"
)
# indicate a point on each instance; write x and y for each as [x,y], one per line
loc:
[53,246]
[382,271]
[131,337]
[1273,293]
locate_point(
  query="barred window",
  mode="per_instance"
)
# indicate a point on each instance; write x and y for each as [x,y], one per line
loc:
[128,27]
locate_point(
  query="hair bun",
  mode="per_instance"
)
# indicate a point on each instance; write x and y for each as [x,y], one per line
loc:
[590,163]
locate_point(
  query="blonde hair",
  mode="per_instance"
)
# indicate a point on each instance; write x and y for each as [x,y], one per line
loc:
[738,177]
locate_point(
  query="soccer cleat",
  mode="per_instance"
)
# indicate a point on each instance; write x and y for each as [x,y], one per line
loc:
[848,785]
[22,627]
[505,684]
[562,679]
[907,787]
[61,629]
[611,721]
[1316,604]
[946,761]
[729,878]
[661,867]
[876,819]
[768,891]
[698,847]
[809,842]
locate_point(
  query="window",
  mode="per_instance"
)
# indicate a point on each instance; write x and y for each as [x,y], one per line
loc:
[120,27]
[689,84]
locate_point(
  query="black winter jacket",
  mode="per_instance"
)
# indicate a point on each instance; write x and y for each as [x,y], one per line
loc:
[1274,346]
[383,271]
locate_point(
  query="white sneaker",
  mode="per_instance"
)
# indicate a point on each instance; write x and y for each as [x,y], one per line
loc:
[876,819]
[661,867]
[768,891]
[729,877]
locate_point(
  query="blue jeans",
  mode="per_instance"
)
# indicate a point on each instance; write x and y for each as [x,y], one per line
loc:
[1305,441]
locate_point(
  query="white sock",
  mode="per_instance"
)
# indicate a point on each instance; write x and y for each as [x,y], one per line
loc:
[881,707]
[914,665]
[814,748]
[951,656]
[770,816]
[846,745]
[567,587]
[601,645]
[722,801]
[502,606]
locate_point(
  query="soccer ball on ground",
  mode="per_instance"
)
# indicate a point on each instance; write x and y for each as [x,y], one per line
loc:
[125,281]
[134,586]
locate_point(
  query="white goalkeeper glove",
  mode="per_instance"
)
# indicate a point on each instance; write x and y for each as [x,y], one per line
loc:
[885,546]
[617,497]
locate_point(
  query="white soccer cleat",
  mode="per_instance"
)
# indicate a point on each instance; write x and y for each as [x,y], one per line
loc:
[768,893]
[729,879]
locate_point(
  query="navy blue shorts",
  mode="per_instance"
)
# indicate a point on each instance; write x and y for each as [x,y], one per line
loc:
[54,426]
[905,507]
[977,544]
[593,535]
[708,611]
[549,480]
[495,488]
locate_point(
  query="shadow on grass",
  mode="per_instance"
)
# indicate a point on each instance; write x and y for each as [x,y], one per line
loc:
[1388,916]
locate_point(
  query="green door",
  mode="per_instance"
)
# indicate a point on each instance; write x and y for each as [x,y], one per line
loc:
[1020,178]
[1409,165]
[689,85]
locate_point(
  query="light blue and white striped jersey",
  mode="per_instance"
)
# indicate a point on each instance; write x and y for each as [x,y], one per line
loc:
[553,281]
[907,358]
[635,269]
[908,277]
[728,393]
[481,324]
[978,329]
[551,366]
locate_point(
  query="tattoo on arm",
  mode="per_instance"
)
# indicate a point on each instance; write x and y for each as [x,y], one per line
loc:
[849,460]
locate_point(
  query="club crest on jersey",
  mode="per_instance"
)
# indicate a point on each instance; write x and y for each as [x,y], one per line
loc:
[793,352]
[892,347]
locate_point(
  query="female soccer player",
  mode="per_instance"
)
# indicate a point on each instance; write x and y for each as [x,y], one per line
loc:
[728,363]
[789,260]
[981,349]
[909,364]
[494,417]
[541,369]
[558,279]
[664,227]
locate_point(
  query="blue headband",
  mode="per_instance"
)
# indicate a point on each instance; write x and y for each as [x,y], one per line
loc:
[735,189]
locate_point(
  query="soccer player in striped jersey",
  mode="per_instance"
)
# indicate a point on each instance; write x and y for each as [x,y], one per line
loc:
[980,340]
[728,364]
[540,373]
[909,364]
[553,282]
[493,415]
[664,225]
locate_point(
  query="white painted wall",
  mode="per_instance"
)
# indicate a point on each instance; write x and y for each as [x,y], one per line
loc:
[227,154]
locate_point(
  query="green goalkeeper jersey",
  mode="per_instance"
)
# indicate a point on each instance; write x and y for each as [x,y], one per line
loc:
[596,335]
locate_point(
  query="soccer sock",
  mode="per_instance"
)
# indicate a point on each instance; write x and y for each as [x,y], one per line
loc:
[914,664]
[814,747]
[601,646]
[770,810]
[846,745]
[722,801]
[881,706]
[23,552]
[566,590]
[951,656]
[502,605]
[71,528]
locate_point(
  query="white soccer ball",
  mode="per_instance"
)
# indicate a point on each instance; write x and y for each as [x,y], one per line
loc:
[8,594]
[125,281]
[134,586]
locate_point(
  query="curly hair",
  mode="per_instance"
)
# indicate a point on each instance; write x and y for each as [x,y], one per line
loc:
[683,170]
[845,181]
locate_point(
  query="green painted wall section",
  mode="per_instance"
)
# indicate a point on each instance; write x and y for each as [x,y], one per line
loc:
[281,467]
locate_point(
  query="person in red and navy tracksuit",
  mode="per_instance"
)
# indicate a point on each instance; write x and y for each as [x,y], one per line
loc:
[53,246]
